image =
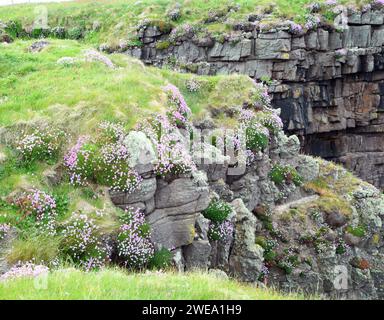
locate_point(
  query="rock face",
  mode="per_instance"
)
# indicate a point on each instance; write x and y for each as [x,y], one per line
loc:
[324,237]
[38,46]
[246,259]
[328,84]
[140,149]
[172,208]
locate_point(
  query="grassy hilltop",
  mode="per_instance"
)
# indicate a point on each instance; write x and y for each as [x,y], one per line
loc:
[119,19]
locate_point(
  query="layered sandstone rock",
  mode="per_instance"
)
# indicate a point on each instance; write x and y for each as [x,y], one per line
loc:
[328,83]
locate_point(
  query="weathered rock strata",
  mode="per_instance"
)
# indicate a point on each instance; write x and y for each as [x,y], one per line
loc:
[304,224]
[329,84]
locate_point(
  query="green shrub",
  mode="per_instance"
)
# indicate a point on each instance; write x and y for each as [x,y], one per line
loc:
[135,43]
[62,203]
[42,144]
[217,211]
[266,79]
[162,259]
[261,241]
[285,174]
[268,246]
[75,33]
[270,255]
[59,32]
[358,231]
[162,45]
[38,33]
[256,136]
[14,29]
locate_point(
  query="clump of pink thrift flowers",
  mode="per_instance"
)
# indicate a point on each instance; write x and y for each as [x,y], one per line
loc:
[113,170]
[173,156]
[221,231]
[75,161]
[41,144]
[112,132]
[313,22]
[179,111]
[295,28]
[41,207]
[378,4]
[84,243]
[261,94]
[104,160]
[24,270]
[133,242]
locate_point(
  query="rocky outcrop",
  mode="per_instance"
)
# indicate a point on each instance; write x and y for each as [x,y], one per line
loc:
[322,237]
[172,208]
[246,259]
[328,83]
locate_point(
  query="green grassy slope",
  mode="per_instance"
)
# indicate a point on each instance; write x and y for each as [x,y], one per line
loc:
[114,284]
[118,19]
[35,89]
[34,86]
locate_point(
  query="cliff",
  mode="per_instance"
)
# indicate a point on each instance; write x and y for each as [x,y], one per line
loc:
[328,81]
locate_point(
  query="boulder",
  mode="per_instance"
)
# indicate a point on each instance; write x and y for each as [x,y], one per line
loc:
[145,192]
[357,36]
[211,160]
[142,155]
[273,49]
[197,254]
[246,258]
[5,243]
[180,192]
[172,231]
[202,226]
[308,168]
[220,274]
[335,219]
[38,46]
[247,189]
[178,259]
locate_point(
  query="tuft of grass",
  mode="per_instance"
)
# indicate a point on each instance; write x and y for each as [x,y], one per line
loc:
[114,284]
[39,248]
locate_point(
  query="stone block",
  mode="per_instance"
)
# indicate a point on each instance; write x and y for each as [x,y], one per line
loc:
[197,255]
[273,49]
[357,36]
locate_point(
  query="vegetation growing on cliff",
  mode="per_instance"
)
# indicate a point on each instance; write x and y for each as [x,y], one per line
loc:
[66,116]
[115,21]
[35,87]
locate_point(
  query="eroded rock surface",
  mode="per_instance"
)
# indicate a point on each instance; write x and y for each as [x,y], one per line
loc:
[328,84]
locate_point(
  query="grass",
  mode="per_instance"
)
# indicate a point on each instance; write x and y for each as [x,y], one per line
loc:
[118,18]
[82,95]
[33,247]
[114,284]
